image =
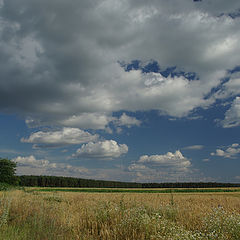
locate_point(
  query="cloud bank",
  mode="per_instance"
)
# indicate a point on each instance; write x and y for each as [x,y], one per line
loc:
[60,61]
[45,167]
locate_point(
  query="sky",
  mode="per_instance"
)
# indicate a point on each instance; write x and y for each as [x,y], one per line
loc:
[144,91]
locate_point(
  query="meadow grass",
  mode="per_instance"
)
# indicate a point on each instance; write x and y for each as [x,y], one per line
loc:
[120,216]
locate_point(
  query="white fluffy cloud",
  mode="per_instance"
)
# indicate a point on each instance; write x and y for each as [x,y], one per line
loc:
[32,161]
[31,165]
[169,160]
[230,152]
[107,150]
[128,121]
[66,136]
[166,167]
[232,116]
[61,63]
[87,121]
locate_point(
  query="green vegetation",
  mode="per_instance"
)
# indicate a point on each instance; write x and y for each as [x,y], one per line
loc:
[5,186]
[117,190]
[7,172]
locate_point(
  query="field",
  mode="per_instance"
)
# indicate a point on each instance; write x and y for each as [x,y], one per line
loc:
[87,215]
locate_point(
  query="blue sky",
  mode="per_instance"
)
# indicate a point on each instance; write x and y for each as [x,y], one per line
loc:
[121,90]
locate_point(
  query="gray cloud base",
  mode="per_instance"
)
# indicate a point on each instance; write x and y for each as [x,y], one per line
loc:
[59,60]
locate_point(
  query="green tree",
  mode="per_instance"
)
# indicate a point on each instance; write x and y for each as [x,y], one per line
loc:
[7,171]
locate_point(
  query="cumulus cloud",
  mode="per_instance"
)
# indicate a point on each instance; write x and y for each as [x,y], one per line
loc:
[128,121]
[230,152]
[31,165]
[107,150]
[170,160]
[66,136]
[165,167]
[31,160]
[59,60]
[87,121]
[232,116]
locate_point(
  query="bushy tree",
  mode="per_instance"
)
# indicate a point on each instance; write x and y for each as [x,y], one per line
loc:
[7,171]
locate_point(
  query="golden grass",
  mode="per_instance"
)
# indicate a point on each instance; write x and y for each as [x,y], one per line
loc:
[120,216]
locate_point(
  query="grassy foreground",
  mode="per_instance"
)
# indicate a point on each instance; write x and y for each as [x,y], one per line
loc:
[118,216]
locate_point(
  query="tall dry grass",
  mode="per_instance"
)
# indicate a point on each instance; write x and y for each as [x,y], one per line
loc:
[119,216]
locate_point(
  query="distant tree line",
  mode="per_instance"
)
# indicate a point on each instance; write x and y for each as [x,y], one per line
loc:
[8,168]
[54,181]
